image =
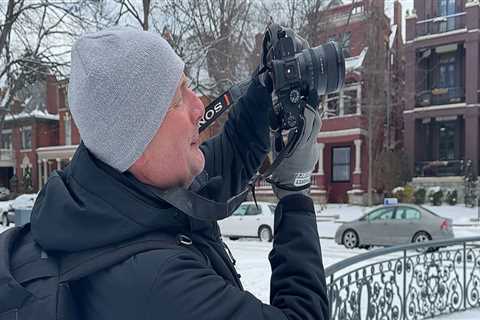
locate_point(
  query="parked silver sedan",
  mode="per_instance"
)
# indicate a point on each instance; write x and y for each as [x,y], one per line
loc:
[396,224]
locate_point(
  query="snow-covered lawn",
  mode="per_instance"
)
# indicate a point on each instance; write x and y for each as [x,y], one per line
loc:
[473,314]
[252,255]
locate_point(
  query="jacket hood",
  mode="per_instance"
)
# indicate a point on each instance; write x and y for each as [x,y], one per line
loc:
[91,205]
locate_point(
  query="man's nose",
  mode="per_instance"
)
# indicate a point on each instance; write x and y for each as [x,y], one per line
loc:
[197,109]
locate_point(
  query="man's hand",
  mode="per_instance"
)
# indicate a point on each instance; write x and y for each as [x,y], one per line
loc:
[294,172]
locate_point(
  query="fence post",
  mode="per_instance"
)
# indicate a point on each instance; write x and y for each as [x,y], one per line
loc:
[404,306]
[464,276]
[330,297]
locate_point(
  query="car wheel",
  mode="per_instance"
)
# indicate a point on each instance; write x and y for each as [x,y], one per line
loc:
[420,237]
[5,221]
[265,234]
[350,239]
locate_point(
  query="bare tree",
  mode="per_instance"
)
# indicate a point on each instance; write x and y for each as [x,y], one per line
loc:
[35,42]
[216,41]
[374,82]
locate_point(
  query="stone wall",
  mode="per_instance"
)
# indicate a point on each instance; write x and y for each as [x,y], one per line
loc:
[444,183]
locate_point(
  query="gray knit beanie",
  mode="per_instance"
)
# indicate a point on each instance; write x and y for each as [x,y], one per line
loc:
[121,84]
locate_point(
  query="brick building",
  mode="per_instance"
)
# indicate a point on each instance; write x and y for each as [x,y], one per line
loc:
[38,136]
[442,102]
[342,171]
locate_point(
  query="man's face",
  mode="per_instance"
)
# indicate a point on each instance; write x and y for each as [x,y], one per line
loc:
[173,157]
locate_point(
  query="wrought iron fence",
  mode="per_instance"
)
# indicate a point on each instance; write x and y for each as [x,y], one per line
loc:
[407,282]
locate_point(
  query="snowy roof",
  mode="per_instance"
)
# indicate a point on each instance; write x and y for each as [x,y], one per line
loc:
[37,114]
[354,63]
[393,33]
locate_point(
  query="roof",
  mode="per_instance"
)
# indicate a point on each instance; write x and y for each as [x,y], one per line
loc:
[393,34]
[354,63]
[36,114]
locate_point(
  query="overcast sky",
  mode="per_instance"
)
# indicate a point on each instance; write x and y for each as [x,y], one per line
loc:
[406,4]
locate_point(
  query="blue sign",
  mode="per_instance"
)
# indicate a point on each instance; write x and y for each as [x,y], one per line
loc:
[390,201]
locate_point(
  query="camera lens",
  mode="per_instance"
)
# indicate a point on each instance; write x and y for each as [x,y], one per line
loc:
[323,68]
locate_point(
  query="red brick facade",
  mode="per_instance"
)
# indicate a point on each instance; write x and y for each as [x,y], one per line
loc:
[33,135]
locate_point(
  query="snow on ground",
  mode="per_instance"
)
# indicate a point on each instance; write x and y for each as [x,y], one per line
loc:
[466,315]
[252,255]
[253,266]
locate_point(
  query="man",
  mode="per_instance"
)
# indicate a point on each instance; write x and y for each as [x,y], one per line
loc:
[138,121]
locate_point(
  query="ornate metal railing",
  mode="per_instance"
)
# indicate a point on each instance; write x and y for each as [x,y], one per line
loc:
[400,282]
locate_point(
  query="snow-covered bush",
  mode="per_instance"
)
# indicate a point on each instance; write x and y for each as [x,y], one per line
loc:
[435,196]
[398,193]
[420,195]
[452,197]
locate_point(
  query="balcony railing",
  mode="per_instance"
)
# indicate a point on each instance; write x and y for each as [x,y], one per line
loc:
[6,154]
[439,168]
[440,24]
[440,96]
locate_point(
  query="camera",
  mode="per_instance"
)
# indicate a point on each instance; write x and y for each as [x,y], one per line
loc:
[300,74]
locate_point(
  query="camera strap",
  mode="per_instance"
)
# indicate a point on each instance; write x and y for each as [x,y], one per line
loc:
[221,104]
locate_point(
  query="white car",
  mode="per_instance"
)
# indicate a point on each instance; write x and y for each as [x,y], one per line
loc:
[23,201]
[5,217]
[250,221]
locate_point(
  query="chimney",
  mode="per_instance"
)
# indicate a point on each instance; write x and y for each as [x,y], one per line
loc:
[52,95]
[397,14]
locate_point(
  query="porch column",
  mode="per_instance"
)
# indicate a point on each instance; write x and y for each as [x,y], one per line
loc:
[320,178]
[472,136]
[356,179]
[358,149]
[39,173]
[59,165]
[321,146]
[45,171]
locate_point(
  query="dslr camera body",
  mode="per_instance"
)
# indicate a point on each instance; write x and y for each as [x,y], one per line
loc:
[300,75]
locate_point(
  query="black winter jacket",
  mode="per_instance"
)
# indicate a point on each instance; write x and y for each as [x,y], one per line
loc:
[91,205]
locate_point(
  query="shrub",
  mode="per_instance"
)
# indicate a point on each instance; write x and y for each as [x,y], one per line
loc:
[420,195]
[408,194]
[452,197]
[435,196]
[398,193]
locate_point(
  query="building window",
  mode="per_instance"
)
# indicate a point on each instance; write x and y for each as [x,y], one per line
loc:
[345,102]
[26,137]
[7,139]
[345,43]
[341,164]
[350,98]
[446,139]
[446,8]
[68,129]
[333,104]
[447,69]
